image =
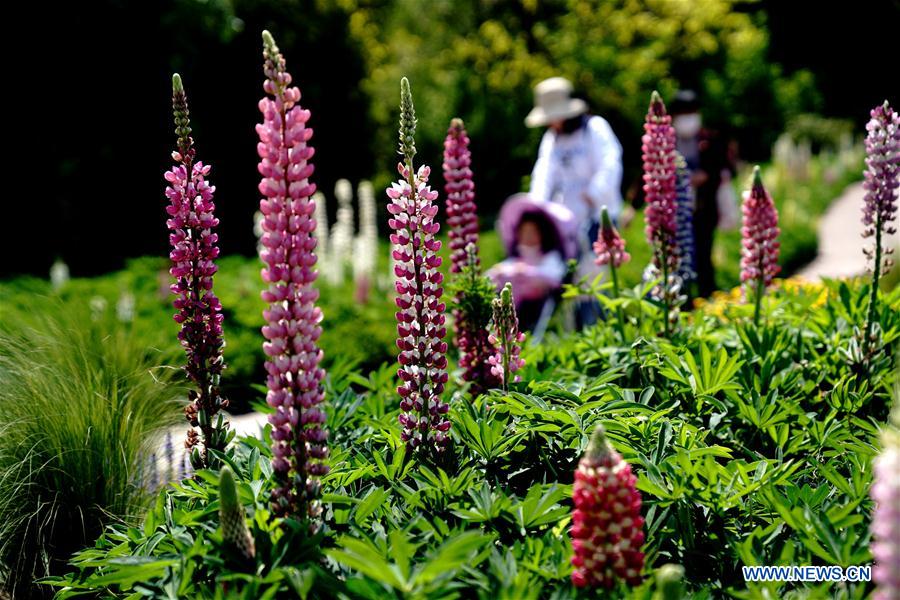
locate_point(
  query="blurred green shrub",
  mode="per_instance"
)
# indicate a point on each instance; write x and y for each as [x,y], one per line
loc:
[820,132]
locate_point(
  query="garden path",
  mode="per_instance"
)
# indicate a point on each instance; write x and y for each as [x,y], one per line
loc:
[840,232]
[249,424]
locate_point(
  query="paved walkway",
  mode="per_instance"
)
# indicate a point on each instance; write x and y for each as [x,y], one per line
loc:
[840,239]
[248,424]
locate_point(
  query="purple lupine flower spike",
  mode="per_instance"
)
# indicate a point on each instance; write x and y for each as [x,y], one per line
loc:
[759,240]
[462,219]
[684,221]
[184,467]
[507,339]
[169,451]
[292,318]
[420,318]
[658,155]
[153,482]
[192,223]
[880,201]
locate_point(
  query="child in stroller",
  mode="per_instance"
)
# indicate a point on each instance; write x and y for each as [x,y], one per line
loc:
[539,238]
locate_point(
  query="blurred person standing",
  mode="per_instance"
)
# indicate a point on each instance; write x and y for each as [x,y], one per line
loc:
[711,167]
[579,165]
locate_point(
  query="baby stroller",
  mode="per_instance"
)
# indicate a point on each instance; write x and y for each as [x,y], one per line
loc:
[539,238]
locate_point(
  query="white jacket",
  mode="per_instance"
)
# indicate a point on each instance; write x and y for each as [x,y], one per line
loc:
[586,162]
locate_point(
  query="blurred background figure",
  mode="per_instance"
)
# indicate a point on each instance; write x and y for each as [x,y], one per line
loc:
[707,156]
[539,238]
[579,165]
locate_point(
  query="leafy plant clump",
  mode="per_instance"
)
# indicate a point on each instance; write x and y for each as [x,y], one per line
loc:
[751,446]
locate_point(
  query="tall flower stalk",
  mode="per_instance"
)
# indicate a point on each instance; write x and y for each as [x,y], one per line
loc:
[420,318]
[507,340]
[472,308]
[759,241]
[880,200]
[292,317]
[684,221]
[191,224]
[607,526]
[610,250]
[462,219]
[658,148]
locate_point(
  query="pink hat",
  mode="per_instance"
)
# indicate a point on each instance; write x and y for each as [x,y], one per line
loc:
[562,219]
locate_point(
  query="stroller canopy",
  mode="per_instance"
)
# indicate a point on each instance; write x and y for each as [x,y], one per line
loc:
[560,217]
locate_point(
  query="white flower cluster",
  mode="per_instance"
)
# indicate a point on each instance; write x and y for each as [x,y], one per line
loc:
[365,245]
[340,249]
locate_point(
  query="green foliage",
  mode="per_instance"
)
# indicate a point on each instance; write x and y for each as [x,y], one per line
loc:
[752,446]
[471,294]
[83,404]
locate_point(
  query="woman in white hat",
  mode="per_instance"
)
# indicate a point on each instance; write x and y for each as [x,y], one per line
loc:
[579,164]
[580,159]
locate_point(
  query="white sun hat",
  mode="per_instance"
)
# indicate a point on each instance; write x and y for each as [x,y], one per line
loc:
[553,101]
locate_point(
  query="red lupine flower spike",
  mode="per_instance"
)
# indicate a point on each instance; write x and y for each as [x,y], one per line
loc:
[607,527]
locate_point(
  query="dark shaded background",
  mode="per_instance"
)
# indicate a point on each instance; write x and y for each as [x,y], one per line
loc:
[91,124]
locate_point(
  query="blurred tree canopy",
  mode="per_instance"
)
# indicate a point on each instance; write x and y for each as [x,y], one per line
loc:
[480,59]
[96,133]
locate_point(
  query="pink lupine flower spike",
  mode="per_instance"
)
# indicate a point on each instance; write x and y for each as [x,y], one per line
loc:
[420,318]
[292,327]
[659,164]
[759,241]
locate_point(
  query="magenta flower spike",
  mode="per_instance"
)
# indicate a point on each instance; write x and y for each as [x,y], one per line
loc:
[470,336]
[192,223]
[659,163]
[880,201]
[462,219]
[607,526]
[420,318]
[293,320]
[507,340]
[759,240]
